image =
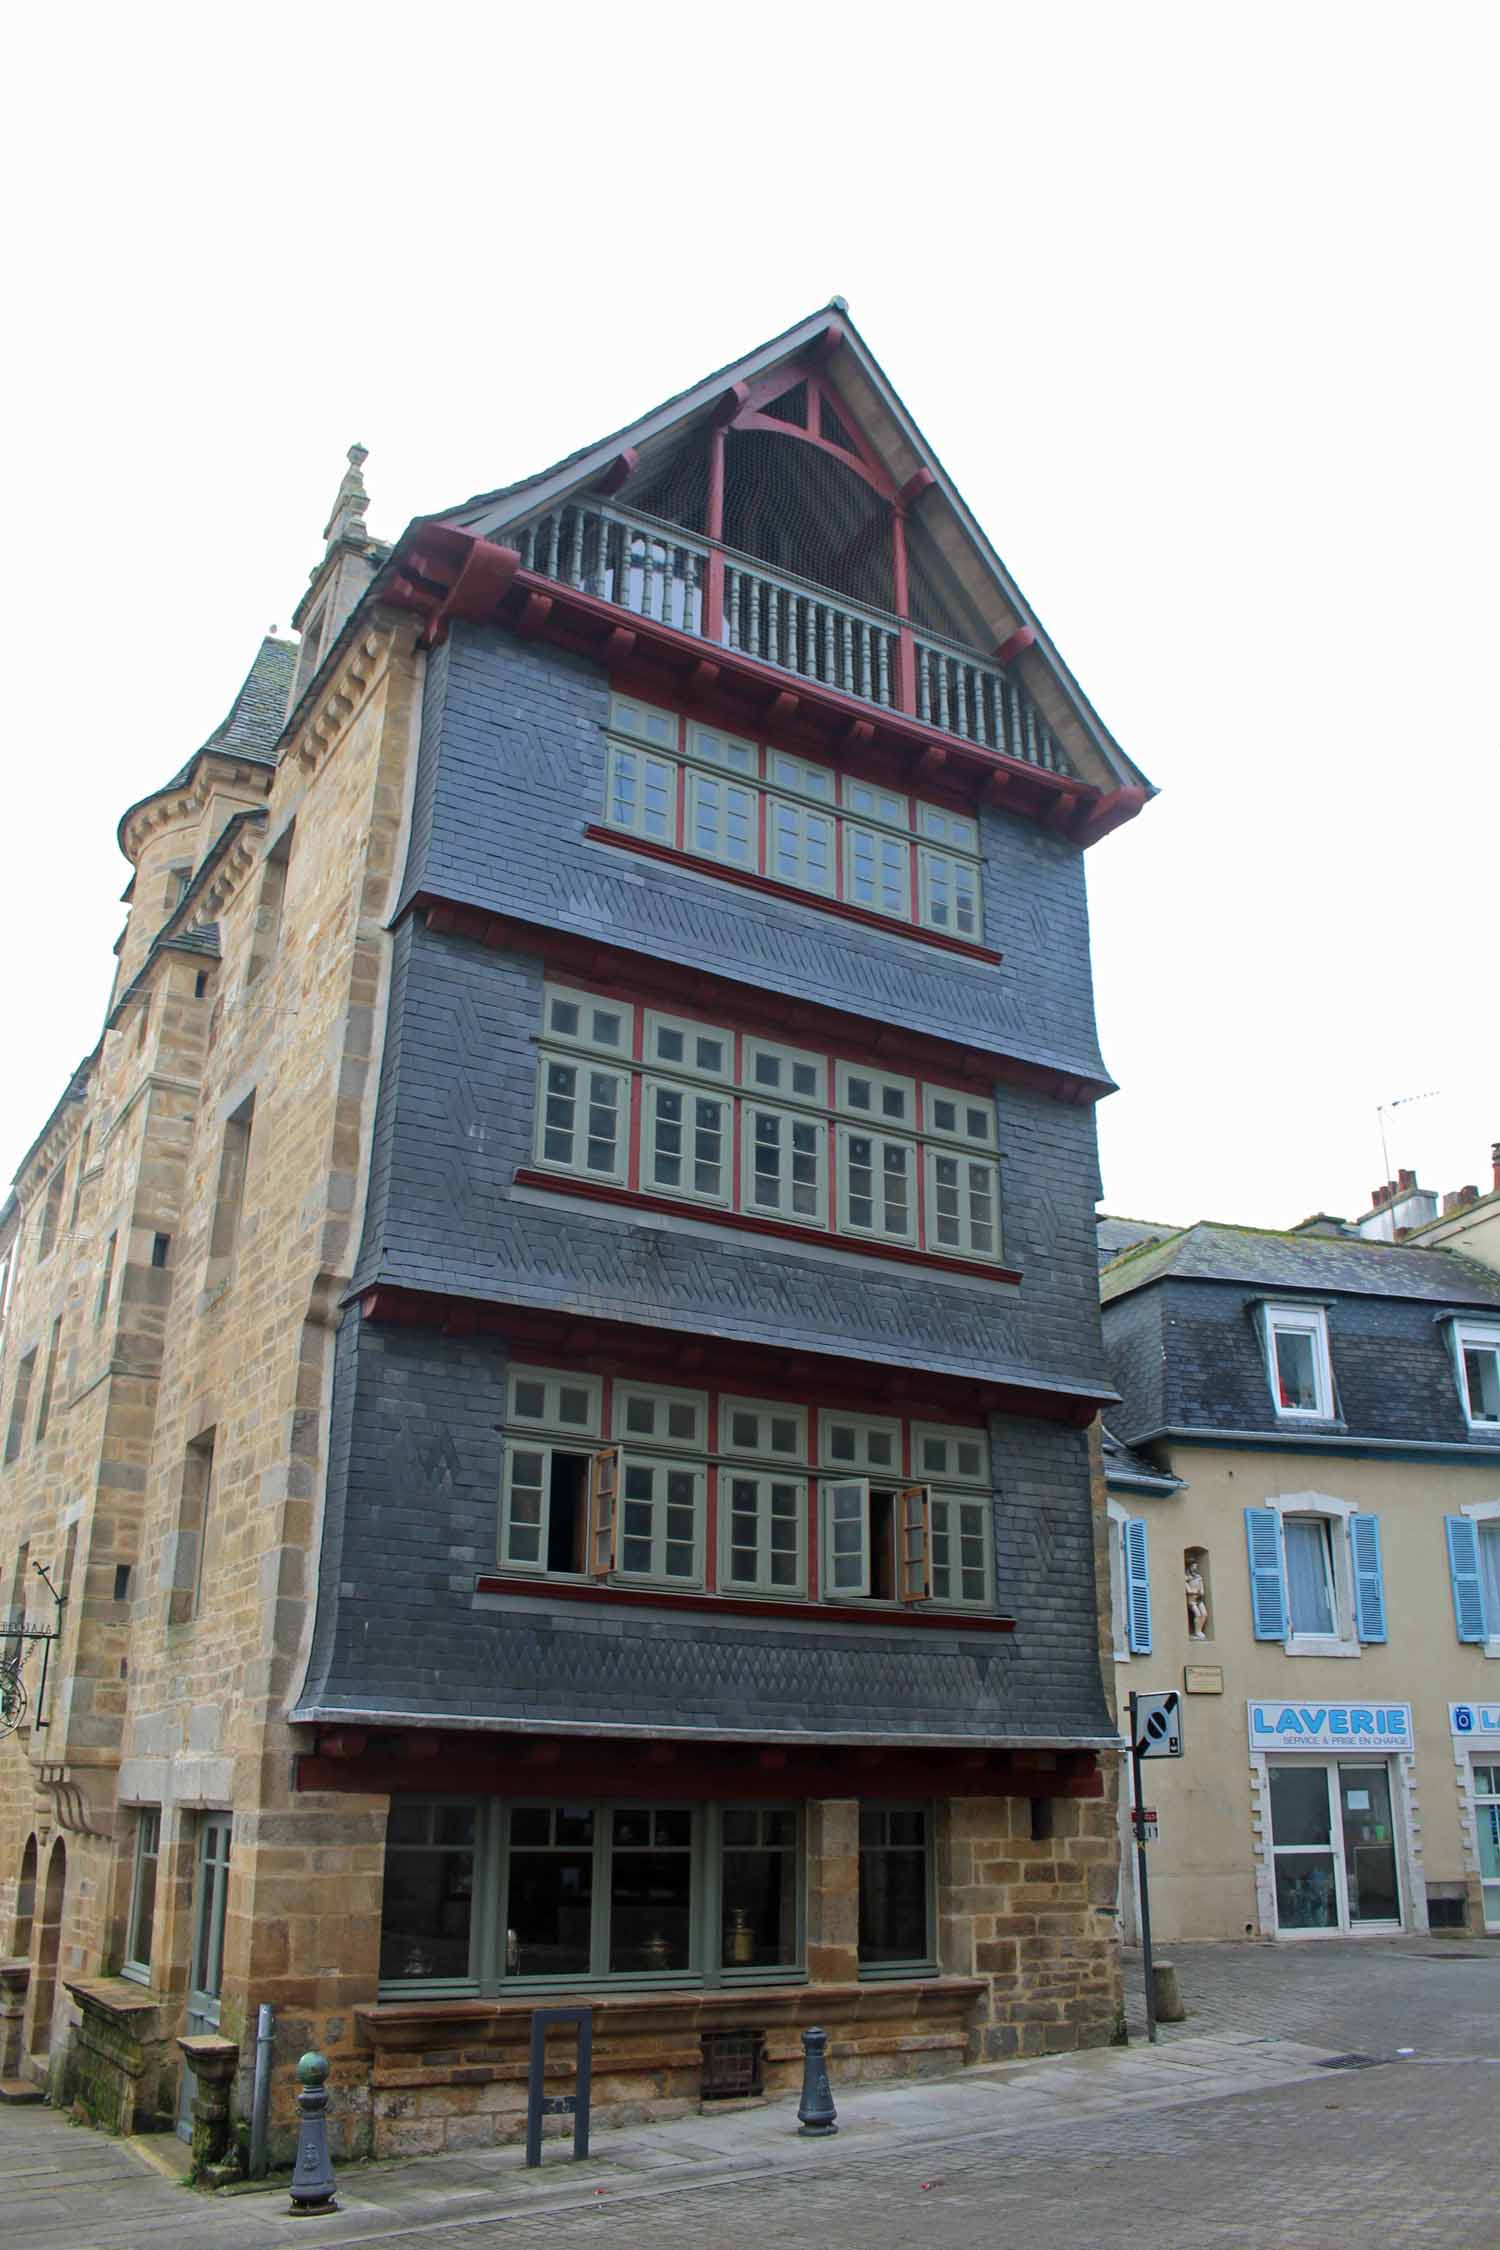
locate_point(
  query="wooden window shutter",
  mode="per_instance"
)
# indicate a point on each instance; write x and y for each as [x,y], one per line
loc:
[604,1510]
[914,1543]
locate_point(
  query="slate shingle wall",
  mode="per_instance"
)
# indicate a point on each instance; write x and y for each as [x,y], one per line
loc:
[412,1516]
[456,1120]
[513,769]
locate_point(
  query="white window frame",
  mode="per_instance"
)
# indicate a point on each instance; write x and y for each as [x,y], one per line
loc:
[1469,1336]
[571,1166]
[801,814]
[890,872]
[658,1575]
[843,1500]
[637,824]
[718,853]
[657,1441]
[553,1381]
[735,756]
[961,1137]
[965,1246]
[955,1504]
[955,866]
[877,1230]
[1301,1320]
[763,1477]
[587,1004]
[643,722]
[783,1097]
[522,1441]
[1344,1639]
[793,1120]
[687,1066]
[957,832]
[686,1188]
[872,801]
[1119,1598]
[882,1084]
[817,783]
[148,1822]
[764,1410]
[861,1463]
[952,1435]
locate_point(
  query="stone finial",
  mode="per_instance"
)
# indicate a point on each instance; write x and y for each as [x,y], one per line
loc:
[347,520]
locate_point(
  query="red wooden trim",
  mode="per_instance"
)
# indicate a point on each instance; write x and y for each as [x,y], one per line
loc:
[748,879]
[740,1605]
[920,481]
[653,1353]
[620,470]
[1022,638]
[752,1222]
[626,975]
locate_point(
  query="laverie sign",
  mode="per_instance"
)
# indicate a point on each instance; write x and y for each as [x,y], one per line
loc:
[1481,1720]
[1325,1727]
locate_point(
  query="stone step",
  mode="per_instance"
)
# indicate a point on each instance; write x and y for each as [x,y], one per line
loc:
[19,2090]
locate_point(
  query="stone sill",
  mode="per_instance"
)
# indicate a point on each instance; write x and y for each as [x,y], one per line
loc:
[410,2027]
[113,1996]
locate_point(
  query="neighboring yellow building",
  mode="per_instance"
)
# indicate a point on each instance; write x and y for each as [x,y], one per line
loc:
[1304,1481]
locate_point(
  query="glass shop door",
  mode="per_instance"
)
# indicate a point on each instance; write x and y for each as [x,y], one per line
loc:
[1370,1880]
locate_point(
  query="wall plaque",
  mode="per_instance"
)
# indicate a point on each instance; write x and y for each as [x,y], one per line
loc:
[1203,1679]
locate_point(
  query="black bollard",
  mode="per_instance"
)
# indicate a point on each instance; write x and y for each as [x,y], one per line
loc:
[312,2177]
[816,2115]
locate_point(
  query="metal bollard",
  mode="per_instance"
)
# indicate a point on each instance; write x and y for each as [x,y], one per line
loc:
[312,2177]
[816,2115]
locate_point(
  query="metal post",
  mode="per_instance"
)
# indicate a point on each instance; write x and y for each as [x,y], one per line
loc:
[538,2102]
[1139,1811]
[312,2176]
[260,2098]
[816,2116]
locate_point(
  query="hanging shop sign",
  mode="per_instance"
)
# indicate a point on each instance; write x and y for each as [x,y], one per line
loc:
[1324,1727]
[1480,1720]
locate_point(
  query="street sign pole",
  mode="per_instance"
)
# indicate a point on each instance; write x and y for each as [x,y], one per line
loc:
[1138,1812]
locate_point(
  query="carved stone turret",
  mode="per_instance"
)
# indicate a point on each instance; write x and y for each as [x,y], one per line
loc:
[350,560]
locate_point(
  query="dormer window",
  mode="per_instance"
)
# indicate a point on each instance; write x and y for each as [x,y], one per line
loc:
[1297,1362]
[1477,1352]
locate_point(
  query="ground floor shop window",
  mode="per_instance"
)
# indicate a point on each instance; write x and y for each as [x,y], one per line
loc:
[895,1888]
[1333,1845]
[488,1896]
[1487,1836]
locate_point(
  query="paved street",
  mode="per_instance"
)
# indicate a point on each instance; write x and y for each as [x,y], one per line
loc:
[1232,2132]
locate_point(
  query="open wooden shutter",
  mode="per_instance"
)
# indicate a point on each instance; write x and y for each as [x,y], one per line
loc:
[1468,1585]
[1267,1574]
[913,1544]
[604,1511]
[1137,1587]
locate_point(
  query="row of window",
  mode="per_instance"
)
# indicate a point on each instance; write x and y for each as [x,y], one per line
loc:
[1300,1365]
[1317,1580]
[482,1896]
[749,806]
[638,1509]
[709,1116]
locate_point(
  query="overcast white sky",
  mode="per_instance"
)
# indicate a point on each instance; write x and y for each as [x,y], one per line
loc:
[1196,304]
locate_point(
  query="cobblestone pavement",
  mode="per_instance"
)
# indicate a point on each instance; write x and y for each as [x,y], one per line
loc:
[1231,2132]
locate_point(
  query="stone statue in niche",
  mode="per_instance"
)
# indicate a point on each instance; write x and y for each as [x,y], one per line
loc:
[1197,1599]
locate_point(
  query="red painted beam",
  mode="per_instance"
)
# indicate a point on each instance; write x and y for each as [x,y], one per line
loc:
[1022,638]
[920,481]
[620,470]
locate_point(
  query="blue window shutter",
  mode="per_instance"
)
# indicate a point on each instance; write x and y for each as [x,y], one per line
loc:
[1468,1586]
[1137,1587]
[1369,1579]
[1267,1574]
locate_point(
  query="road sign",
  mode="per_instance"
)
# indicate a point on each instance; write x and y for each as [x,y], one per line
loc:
[1157,1725]
[1148,1827]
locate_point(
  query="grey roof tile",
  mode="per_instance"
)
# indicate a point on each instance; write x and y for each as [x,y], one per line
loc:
[1210,1251]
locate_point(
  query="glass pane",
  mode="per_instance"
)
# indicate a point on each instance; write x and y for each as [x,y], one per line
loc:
[758,1906]
[1299,1805]
[893,1901]
[531,1824]
[1308,1574]
[531,1401]
[1369,1844]
[425,1913]
[1489,1571]
[550,1913]
[1306,1898]
[145,1906]
[650,1907]
[1482,1368]
[1296,1371]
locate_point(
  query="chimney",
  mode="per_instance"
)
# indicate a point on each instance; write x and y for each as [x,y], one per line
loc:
[1459,1200]
[1495,1163]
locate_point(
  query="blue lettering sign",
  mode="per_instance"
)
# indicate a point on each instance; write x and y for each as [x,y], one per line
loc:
[1361,1722]
[1289,1723]
[1338,1722]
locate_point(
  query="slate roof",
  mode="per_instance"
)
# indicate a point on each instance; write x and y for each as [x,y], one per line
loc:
[1117,1235]
[252,726]
[1327,1264]
[1123,1466]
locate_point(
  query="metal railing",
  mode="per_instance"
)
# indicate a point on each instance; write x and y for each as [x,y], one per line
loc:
[655,571]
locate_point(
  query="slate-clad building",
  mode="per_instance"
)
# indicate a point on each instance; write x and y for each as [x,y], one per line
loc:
[683,1589]
[1304,1504]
